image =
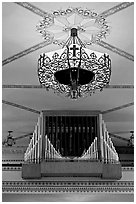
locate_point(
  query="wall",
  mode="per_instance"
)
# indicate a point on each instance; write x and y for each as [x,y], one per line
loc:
[14,175]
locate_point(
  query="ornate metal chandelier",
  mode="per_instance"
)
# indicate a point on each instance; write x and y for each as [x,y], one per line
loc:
[74,70]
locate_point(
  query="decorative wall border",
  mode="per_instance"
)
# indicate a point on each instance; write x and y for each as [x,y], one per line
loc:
[10,161]
[128,168]
[116,50]
[11,168]
[67,186]
[16,168]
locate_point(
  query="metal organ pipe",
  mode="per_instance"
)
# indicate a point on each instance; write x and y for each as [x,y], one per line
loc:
[34,150]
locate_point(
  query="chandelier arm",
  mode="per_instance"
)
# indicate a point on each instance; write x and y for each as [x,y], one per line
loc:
[68,56]
[80,41]
[67,42]
[79,64]
[74,40]
[69,63]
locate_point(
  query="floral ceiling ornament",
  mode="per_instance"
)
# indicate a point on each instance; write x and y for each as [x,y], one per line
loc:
[74,70]
[57,26]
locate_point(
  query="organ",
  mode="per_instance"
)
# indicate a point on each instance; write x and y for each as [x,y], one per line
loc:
[65,136]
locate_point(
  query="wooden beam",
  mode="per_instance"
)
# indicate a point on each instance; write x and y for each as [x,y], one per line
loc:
[118,108]
[116,50]
[25,52]
[20,106]
[15,86]
[116,9]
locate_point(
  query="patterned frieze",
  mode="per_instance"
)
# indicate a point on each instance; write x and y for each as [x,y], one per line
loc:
[67,186]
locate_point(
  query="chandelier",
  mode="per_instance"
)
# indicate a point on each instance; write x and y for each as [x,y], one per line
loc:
[73,70]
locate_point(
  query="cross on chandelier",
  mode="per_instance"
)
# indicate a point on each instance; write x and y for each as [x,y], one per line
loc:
[74,48]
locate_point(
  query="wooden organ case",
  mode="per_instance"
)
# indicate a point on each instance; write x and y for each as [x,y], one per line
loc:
[71,143]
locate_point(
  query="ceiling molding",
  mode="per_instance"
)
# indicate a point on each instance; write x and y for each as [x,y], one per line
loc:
[15,86]
[32,8]
[116,9]
[116,50]
[20,106]
[118,108]
[26,52]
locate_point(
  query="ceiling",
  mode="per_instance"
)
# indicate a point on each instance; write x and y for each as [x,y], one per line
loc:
[19,34]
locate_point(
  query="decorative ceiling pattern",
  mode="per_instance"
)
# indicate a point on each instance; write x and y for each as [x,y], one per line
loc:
[22,46]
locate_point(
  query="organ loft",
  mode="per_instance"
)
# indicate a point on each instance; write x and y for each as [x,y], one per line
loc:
[71,143]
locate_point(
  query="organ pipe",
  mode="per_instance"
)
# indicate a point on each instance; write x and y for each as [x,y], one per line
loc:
[35,147]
